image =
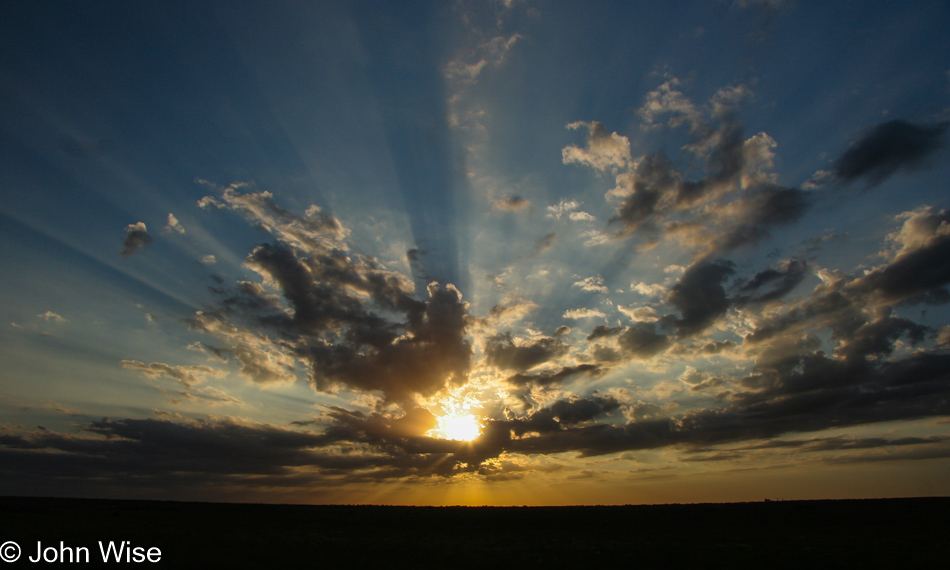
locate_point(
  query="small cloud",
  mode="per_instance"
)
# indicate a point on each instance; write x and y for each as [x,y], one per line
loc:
[173,225]
[544,244]
[50,317]
[511,204]
[818,179]
[491,53]
[654,290]
[592,285]
[605,152]
[595,237]
[135,239]
[562,208]
[639,314]
[583,314]
[187,375]
[208,260]
[677,269]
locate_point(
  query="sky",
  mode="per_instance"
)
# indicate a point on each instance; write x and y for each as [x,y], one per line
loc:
[508,252]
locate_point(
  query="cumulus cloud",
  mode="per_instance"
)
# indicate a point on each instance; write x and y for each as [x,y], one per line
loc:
[646,314]
[51,317]
[604,151]
[648,289]
[173,225]
[562,208]
[136,237]
[734,204]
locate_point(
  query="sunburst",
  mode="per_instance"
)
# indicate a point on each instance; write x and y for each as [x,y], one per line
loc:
[457,427]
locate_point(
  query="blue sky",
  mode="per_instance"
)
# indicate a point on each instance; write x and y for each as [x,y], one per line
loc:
[651,252]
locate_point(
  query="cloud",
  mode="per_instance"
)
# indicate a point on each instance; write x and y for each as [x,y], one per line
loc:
[642,341]
[583,314]
[502,352]
[187,375]
[173,225]
[776,282]
[511,204]
[699,295]
[544,244]
[644,314]
[840,350]
[605,151]
[554,377]
[649,290]
[733,204]
[887,148]
[337,312]
[490,53]
[135,239]
[207,260]
[513,310]
[593,284]
[51,317]
[562,208]
[314,231]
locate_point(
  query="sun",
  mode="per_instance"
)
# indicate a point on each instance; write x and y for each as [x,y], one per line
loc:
[457,427]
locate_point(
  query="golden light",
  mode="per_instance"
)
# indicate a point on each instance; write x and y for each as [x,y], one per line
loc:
[457,427]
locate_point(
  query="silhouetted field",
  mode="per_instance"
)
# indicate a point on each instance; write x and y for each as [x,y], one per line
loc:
[903,533]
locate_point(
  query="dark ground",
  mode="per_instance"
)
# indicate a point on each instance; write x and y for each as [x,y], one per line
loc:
[903,533]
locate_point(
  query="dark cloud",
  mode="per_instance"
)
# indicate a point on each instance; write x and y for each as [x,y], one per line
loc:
[653,177]
[913,273]
[641,341]
[554,377]
[837,443]
[734,204]
[432,355]
[351,321]
[563,413]
[887,148]
[511,204]
[772,283]
[757,211]
[699,295]
[544,244]
[415,258]
[603,331]
[718,346]
[502,352]
[136,237]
